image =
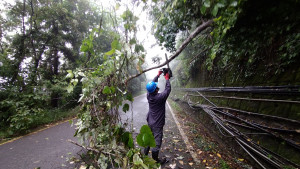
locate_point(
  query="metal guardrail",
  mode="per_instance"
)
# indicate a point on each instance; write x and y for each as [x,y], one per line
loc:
[255,151]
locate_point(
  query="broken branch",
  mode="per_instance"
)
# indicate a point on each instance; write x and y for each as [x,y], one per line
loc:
[199,29]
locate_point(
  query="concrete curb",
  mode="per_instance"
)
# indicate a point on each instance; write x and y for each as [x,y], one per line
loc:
[189,147]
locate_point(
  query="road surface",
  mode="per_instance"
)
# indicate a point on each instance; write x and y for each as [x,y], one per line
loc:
[47,149]
[173,145]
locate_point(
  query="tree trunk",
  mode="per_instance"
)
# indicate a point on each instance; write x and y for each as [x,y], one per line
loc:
[55,65]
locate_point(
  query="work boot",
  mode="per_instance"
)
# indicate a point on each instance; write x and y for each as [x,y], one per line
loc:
[155,157]
[146,150]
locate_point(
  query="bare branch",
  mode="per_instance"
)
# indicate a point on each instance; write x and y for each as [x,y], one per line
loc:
[87,148]
[199,29]
[91,149]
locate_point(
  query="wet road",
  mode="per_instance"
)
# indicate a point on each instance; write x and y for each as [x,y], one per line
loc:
[139,108]
[47,149]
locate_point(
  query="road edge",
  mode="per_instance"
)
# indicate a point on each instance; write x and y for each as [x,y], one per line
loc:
[183,135]
[37,131]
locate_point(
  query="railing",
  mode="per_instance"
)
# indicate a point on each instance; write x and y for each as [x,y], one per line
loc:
[229,121]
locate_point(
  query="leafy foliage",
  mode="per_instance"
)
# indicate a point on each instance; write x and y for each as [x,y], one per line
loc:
[103,92]
[40,41]
[145,137]
[245,36]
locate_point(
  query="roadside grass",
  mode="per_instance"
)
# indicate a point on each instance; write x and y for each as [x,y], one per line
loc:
[58,115]
[139,93]
[49,117]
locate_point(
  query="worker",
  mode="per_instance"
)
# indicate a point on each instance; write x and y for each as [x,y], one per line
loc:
[156,115]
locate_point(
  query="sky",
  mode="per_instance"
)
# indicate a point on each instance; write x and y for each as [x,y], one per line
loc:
[143,35]
[144,29]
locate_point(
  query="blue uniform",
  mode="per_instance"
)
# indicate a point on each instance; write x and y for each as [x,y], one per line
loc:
[157,110]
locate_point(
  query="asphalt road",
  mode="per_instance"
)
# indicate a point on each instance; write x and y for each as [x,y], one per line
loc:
[173,146]
[139,108]
[47,149]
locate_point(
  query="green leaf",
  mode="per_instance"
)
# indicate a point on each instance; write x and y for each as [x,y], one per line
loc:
[139,140]
[130,141]
[145,137]
[110,52]
[69,88]
[70,74]
[132,41]
[215,10]
[137,160]
[145,129]
[74,82]
[129,97]
[203,9]
[125,107]
[234,3]
[206,3]
[220,5]
[112,89]
[114,44]
[84,48]
[106,90]
[81,74]
[127,139]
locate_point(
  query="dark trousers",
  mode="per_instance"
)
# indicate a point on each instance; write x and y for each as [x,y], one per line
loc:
[158,135]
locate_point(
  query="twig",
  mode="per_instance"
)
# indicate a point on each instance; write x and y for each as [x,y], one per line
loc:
[91,149]
[87,148]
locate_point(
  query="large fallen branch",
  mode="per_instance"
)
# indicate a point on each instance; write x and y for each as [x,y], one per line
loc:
[198,30]
[91,149]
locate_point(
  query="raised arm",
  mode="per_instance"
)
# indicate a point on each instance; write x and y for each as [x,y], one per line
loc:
[165,94]
[157,76]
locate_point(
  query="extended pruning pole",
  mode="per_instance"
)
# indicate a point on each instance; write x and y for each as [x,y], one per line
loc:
[170,72]
[167,60]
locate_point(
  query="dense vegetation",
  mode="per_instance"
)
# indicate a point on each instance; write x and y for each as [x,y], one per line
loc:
[247,37]
[55,55]
[250,43]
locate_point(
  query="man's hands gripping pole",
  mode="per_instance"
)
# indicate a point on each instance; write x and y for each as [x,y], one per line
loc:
[167,73]
[159,73]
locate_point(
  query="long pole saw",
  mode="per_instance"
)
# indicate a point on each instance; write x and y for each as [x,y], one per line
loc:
[167,70]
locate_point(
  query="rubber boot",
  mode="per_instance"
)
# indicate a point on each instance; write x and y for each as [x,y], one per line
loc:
[146,150]
[155,157]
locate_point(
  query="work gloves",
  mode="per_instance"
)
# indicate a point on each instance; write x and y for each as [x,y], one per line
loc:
[167,76]
[159,72]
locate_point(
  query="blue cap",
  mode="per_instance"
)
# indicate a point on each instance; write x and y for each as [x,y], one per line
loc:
[151,86]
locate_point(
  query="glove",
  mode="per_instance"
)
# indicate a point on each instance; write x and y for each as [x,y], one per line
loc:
[167,76]
[159,73]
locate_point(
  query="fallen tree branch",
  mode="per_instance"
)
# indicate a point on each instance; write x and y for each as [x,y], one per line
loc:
[87,148]
[90,149]
[199,29]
